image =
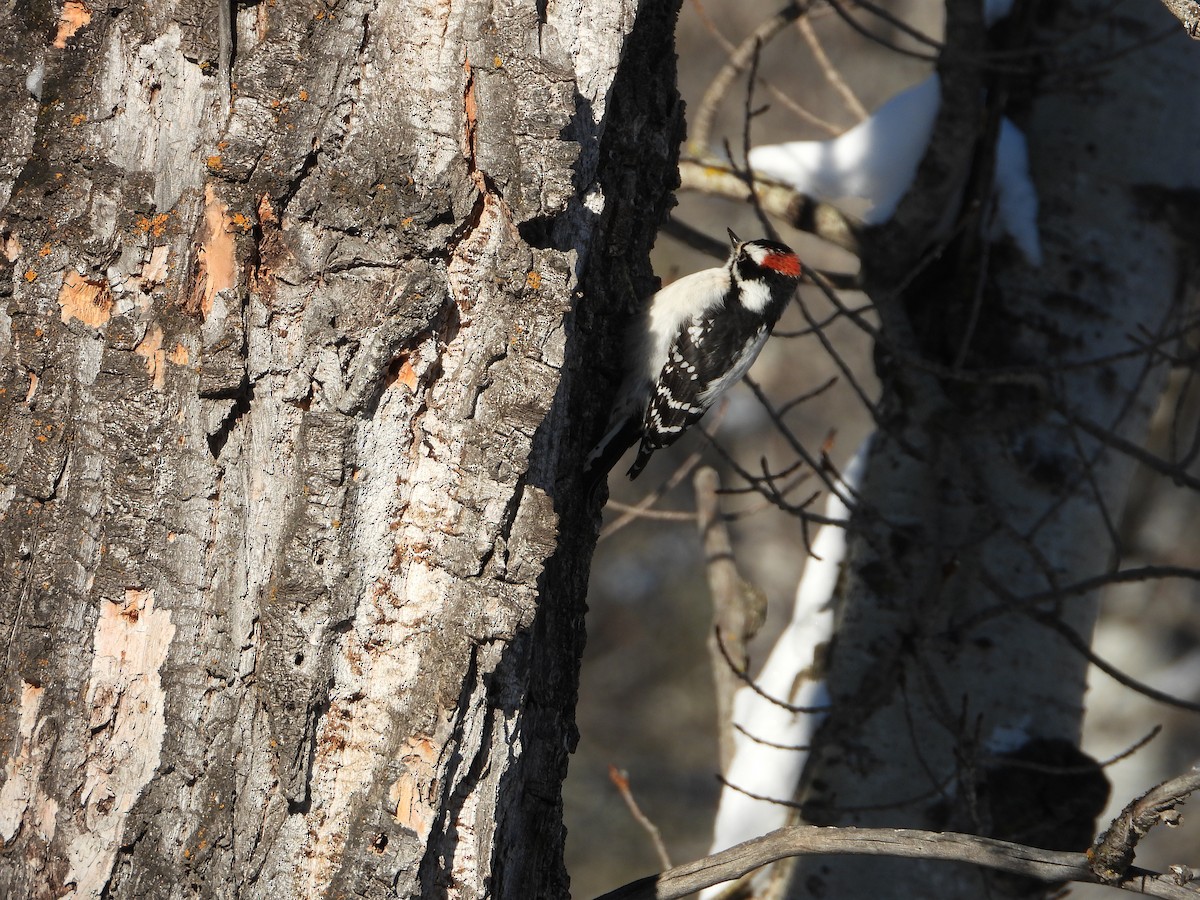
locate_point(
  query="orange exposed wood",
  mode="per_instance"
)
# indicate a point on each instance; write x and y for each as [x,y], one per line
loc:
[407,376]
[217,269]
[411,793]
[151,349]
[74,16]
[88,301]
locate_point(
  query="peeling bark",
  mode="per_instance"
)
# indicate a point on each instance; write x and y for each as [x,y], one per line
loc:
[292,399]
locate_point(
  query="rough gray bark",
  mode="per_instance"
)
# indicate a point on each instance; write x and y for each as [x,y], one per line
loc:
[291,408]
[981,490]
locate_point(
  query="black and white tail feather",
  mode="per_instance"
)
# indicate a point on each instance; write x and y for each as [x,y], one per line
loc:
[695,339]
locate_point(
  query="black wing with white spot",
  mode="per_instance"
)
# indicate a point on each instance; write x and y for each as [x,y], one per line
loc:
[696,373]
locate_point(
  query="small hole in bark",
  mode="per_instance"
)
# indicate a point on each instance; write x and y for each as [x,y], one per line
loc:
[539,232]
[298,659]
[380,843]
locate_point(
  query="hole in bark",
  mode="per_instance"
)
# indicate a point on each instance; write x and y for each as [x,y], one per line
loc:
[241,406]
[380,843]
[539,232]
[298,659]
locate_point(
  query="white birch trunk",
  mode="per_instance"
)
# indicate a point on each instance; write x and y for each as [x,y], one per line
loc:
[979,492]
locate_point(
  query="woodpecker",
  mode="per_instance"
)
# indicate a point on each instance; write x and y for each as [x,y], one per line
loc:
[695,339]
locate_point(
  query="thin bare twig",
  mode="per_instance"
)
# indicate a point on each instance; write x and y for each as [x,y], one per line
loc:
[743,675]
[1088,463]
[1012,603]
[799,748]
[995,375]
[843,366]
[778,801]
[899,24]
[823,323]
[810,394]
[767,490]
[1176,473]
[845,16]
[734,66]
[785,100]
[639,511]
[747,175]
[845,494]
[620,778]
[923,797]
[1081,646]
[684,469]
[1013,762]
[829,70]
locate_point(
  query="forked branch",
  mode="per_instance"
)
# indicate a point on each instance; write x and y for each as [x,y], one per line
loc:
[1112,853]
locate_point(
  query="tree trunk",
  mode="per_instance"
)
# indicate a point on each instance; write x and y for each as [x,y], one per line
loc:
[291,410]
[952,708]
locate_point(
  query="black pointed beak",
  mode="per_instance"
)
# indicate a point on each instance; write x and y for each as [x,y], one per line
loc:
[733,238]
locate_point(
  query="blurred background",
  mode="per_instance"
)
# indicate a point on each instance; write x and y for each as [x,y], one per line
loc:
[646,699]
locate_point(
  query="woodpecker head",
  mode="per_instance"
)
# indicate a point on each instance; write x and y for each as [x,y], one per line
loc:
[766,271]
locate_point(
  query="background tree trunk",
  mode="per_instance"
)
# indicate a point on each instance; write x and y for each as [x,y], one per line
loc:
[980,492]
[294,554]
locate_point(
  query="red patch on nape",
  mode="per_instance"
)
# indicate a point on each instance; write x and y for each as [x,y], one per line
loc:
[783,263]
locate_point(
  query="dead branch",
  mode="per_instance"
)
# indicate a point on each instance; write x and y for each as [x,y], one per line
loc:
[800,211]
[738,611]
[735,65]
[829,70]
[800,840]
[785,100]
[1112,853]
